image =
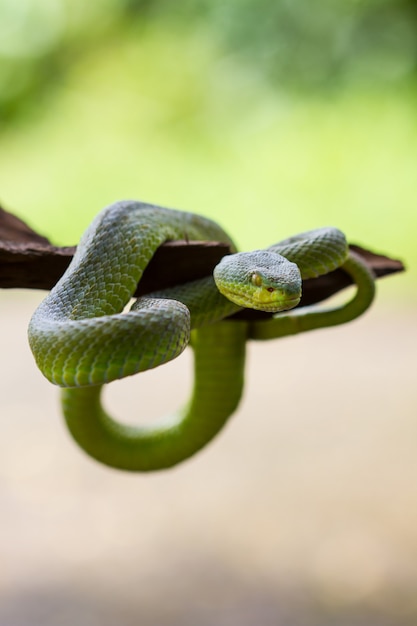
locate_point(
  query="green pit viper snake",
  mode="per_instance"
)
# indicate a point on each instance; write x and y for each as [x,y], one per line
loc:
[82,338]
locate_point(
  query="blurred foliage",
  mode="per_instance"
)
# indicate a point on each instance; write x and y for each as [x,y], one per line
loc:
[297,43]
[290,43]
[267,116]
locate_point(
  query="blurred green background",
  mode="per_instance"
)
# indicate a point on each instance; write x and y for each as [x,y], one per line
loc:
[271,117]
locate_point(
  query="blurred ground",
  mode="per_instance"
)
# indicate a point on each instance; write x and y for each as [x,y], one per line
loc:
[303,511]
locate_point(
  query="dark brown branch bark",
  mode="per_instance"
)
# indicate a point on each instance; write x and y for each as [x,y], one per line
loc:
[28,260]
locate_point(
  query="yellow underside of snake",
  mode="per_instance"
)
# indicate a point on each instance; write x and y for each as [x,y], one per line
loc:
[82,338]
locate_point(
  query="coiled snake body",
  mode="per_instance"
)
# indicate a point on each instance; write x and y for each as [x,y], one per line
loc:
[82,338]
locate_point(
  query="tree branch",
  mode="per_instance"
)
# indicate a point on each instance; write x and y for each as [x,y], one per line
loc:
[28,260]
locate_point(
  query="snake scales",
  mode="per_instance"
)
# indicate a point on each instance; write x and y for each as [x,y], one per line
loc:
[82,338]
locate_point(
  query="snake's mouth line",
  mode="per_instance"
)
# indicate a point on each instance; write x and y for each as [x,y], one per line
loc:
[294,300]
[283,300]
[267,307]
[289,303]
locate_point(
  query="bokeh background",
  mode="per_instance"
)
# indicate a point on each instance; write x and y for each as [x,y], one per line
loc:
[271,117]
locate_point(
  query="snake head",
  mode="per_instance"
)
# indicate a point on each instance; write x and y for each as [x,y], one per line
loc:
[260,280]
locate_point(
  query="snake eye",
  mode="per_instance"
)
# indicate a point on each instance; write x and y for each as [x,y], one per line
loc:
[270,289]
[256,279]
